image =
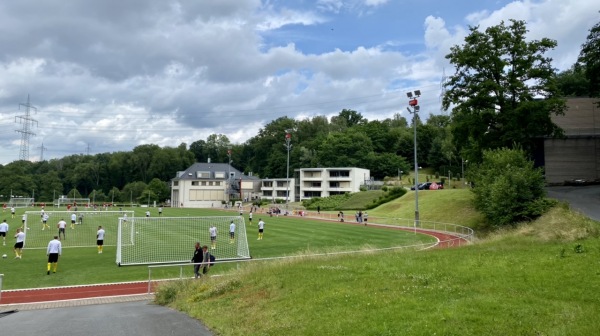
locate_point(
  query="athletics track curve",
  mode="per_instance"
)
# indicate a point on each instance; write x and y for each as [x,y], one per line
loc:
[20,296]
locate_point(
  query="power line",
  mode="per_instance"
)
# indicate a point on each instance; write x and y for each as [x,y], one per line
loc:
[27,123]
[42,149]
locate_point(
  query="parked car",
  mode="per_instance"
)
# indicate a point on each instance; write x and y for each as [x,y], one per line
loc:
[428,186]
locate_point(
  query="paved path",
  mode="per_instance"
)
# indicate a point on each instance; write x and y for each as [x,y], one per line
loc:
[112,319]
[585,199]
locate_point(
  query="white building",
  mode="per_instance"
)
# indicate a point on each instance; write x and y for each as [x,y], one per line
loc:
[316,182]
[206,185]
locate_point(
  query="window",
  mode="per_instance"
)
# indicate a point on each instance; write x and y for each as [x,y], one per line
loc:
[315,184]
[267,193]
[220,175]
[202,174]
[210,183]
[334,184]
[195,183]
[203,183]
[175,183]
[268,184]
[339,173]
[281,183]
[310,194]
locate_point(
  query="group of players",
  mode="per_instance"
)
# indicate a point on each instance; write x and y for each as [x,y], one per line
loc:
[54,249]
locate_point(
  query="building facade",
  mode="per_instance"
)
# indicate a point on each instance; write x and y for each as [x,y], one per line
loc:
[206,185]
[577,156]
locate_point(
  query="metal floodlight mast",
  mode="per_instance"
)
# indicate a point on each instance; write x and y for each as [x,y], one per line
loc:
[414,103]
[288,139]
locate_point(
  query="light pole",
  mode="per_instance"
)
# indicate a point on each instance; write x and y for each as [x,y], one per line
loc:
[412,96]
[463,161]
[228,173]
[288,146]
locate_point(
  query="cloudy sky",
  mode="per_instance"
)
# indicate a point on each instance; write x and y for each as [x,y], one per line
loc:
[109,75]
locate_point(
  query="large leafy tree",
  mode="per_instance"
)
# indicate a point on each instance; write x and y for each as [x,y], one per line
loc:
[589,60]
[503,91]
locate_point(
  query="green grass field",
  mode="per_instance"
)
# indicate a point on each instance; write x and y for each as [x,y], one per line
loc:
[283,236]
[540,278]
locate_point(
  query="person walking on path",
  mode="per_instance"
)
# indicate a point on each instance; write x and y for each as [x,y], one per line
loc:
[18,248]
[197,258]
[3,231]
[53,251]
[100,239]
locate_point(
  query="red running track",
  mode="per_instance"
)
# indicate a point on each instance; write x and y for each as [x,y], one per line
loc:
[446,240]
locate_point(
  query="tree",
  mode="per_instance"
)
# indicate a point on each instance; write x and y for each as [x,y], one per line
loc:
[508,188]
[503,91]
[573,83]
[589,60]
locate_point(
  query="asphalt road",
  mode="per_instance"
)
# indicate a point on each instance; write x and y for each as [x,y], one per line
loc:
[115,319]
[585,199]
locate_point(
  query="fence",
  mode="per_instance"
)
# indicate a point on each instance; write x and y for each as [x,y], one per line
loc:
[458,235]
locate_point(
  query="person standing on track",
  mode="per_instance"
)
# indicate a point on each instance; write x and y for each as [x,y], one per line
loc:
[197,258]
[100,239]
[53,251]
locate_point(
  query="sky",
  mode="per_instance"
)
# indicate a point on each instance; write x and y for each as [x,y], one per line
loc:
[107,76]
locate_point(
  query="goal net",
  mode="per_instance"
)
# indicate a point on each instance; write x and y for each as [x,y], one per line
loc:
[20,202]
[80,202]
[160,240]
[83,233]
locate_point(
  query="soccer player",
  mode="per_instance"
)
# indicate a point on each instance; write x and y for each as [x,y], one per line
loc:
[42,213]
[23,219]
[197,258]
[261,227]
[365,217]
[250,217]
[53,251]
[231,232]
[73,220]
[19,244]
[3,231]
[213,236]
[147,213]
[62,225]
[205,259]
[100,238]
[80,218]
[45,222]
[12,212]
[160,211]
[241,211]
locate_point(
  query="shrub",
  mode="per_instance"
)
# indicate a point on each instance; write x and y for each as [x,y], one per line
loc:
[390,195]
[508,188]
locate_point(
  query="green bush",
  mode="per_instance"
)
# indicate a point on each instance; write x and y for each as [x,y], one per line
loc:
[507,187]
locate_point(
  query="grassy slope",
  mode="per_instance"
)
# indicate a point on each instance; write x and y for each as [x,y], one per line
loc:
[527,281]
[359,200]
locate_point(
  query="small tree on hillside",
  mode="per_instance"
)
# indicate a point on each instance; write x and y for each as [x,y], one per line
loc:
[508,188]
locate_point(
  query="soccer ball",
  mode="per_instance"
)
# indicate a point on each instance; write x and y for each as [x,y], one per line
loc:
[4,256]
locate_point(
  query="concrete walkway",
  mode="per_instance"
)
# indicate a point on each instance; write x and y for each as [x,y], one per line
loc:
[107,316]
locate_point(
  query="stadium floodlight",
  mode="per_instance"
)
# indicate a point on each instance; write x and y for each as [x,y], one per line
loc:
[413,102]
[84,232]
[159,240]
[288,146]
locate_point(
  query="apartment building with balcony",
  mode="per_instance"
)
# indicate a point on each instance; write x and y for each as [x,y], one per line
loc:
[277,189]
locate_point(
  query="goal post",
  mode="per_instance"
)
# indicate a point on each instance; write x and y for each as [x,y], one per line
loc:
[83,233]
[20,202]
[64,201]
[162,240]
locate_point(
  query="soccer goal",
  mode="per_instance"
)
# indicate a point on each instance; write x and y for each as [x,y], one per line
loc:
[64,201]
[161,240]
[83,233]
[20,202]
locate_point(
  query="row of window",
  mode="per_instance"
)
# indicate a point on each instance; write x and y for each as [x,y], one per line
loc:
[206,183]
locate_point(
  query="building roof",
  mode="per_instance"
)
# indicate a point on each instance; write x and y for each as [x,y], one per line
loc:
[190,172]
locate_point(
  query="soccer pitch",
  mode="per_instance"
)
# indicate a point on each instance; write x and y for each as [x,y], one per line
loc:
[283,236]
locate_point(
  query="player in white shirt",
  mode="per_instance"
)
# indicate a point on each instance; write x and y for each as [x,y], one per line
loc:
[12,212]
[23,219]
[147,213]
[62,225]
[261,227]
[73,220]
[45,222]
[53,251]
[250,217]
[160,211]
[100,238]
[3,231]
[19,244]
[231,232]
[213,237]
